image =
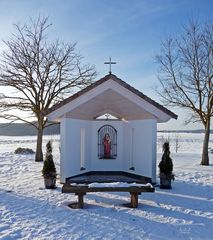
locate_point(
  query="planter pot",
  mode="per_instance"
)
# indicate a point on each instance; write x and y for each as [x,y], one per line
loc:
[165,183]
[165,180]
[50,182]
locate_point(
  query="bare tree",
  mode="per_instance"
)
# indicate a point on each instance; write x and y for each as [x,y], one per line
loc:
[39,74]
[186,70]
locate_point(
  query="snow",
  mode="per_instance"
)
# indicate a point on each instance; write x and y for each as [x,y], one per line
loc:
[118,184]
[29,211]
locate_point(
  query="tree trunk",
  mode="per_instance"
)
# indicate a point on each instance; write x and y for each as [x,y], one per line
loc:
[39,153]
[205,153]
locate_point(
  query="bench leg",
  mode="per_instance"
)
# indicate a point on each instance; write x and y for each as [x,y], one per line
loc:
[80,200]
[134,200]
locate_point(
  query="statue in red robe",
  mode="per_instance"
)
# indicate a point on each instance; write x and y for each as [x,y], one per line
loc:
[107,146]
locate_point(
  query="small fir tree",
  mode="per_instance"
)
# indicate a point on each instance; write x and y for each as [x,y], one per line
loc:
[166,165]
[49,169]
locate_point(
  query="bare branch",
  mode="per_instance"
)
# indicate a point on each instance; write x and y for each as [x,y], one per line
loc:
[41,73]
[185,75]
[186,70]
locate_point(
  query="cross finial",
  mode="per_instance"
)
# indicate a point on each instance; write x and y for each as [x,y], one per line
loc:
[110,63]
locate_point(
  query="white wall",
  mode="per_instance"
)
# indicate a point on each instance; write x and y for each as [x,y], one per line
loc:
[141,135]
[71,147]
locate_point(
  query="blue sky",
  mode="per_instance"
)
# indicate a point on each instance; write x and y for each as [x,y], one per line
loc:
[130,31]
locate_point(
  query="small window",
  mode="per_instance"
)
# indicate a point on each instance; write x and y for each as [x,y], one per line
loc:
[107,116]
[107,142]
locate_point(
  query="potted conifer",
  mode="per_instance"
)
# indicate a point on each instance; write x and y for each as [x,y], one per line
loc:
[49,170]
[166,168]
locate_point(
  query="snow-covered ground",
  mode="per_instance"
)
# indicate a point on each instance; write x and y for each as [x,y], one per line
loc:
[28,211]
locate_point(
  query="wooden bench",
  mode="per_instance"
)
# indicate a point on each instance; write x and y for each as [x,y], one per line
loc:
[80,191]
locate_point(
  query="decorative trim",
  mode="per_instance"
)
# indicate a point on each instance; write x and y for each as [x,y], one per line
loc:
[131,149]
[82,153]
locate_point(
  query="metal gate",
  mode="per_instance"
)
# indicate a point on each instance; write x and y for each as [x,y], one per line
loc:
[107,142]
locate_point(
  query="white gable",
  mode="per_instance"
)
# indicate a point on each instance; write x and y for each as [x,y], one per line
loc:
[110,97]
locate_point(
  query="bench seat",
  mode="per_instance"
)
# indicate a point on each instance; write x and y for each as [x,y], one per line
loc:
[81,190]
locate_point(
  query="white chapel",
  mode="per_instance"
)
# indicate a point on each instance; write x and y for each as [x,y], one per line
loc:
[109,127]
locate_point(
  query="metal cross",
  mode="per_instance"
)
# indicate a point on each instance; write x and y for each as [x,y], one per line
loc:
[110,62]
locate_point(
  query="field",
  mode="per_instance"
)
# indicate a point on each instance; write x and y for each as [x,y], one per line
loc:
[28,211]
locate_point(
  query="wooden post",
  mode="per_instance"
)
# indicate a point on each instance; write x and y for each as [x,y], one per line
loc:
[134,199]
[80,200]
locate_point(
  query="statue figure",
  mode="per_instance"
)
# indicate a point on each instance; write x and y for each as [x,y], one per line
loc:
[107,146]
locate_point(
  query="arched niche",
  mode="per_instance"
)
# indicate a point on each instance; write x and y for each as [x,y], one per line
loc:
[107,142]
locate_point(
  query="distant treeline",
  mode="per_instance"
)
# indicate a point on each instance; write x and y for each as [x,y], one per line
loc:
[22,129]
[185,131]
